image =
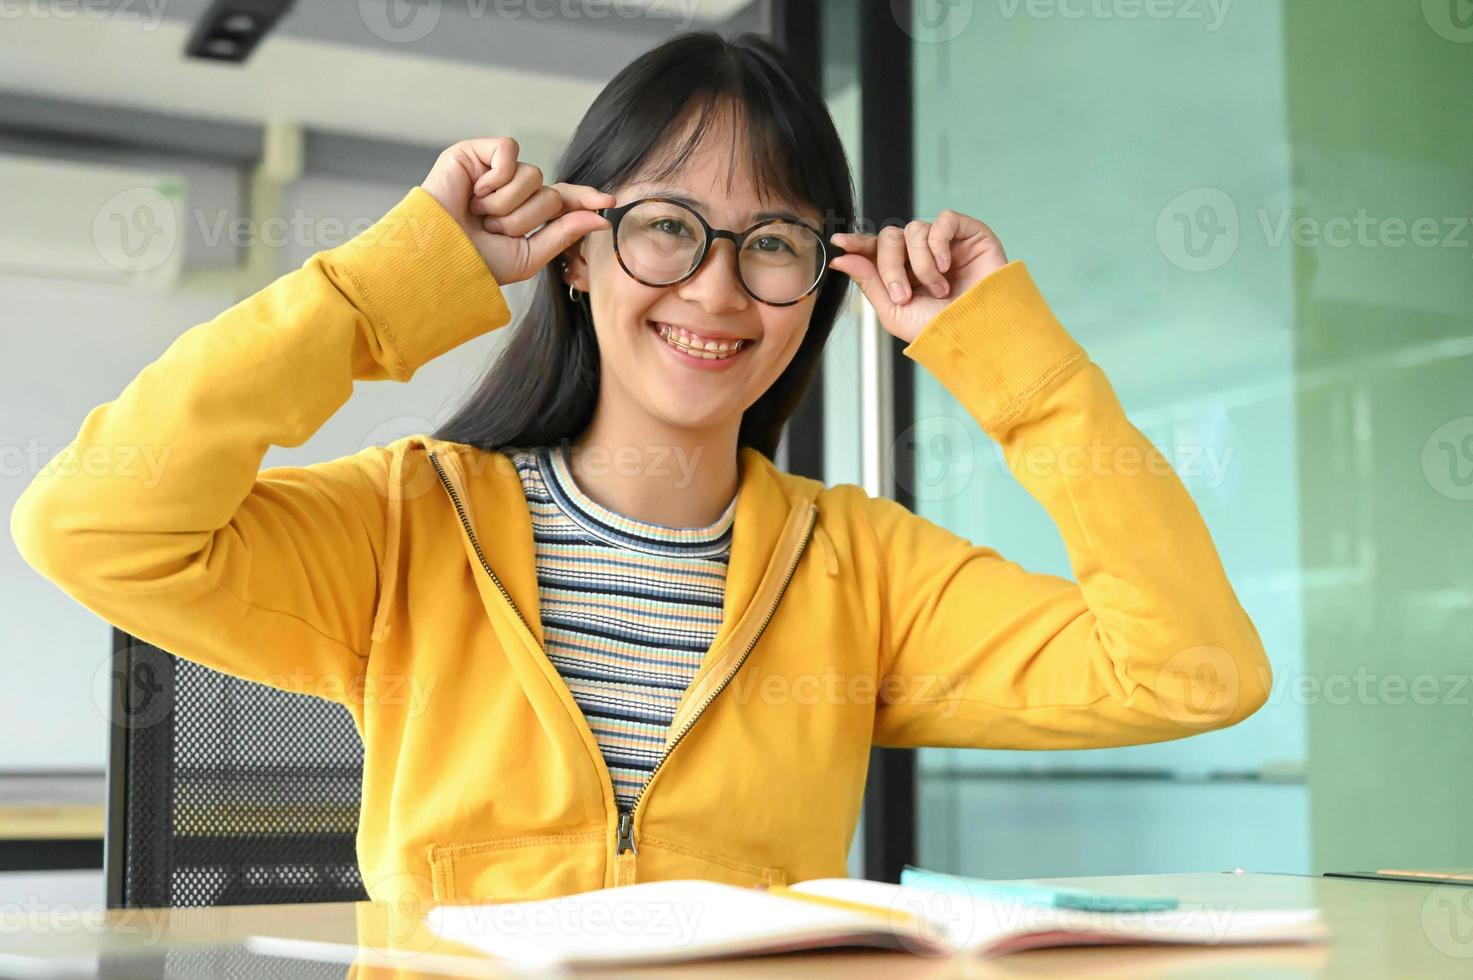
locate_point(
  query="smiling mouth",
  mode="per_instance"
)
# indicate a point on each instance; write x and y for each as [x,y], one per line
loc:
[710,350]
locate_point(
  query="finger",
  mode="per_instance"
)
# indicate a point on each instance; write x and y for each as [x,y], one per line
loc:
[511,195]
[856,244]
[549,202]
[943,231]
[492,160]
[581,196]
[559,234]
[890,260]
[867,278]
[923,260]
[541,207]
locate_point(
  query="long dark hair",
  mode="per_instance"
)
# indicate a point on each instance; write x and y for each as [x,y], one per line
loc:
[543,388]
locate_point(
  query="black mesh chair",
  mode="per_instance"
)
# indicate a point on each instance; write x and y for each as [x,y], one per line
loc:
[222,791]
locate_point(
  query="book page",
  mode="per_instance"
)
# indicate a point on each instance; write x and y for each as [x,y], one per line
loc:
[660,921]
[991,926]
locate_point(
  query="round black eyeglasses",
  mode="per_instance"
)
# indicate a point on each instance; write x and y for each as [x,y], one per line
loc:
[661,242]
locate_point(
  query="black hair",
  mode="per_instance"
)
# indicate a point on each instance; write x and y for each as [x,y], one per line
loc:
[543,387]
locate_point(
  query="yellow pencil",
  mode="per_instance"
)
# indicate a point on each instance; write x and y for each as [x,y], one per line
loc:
[841,903]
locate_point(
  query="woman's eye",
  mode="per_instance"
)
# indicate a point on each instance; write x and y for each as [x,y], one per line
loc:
[669,226]
[771,243]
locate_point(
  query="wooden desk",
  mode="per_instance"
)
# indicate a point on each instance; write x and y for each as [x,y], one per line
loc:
[1382,929]
[51,821]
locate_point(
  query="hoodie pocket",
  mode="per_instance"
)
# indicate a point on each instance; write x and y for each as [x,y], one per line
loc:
[518,868]
[661,858]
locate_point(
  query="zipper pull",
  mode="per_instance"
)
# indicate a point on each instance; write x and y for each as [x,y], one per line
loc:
[626,832]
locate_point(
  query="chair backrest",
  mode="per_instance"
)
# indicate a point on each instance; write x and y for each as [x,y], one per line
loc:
[222,791]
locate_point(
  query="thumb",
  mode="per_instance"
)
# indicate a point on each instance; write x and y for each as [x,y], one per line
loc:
[867,277]
[558,234]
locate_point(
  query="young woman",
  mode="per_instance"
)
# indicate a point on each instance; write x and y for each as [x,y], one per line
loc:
[589,633]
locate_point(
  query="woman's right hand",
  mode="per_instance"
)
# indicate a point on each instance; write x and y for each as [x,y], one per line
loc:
[497,201]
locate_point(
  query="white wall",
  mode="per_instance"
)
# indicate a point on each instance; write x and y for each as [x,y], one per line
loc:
[71,345]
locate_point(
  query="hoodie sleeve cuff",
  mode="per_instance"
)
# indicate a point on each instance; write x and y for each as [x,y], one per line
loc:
[421,282]
[996,346]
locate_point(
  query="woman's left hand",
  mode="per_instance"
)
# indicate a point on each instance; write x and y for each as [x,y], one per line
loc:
[909,275]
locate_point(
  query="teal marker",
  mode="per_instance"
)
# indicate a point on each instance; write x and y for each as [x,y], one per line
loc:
[1029,893]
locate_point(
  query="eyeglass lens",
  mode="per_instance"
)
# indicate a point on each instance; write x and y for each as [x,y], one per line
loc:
[660,243]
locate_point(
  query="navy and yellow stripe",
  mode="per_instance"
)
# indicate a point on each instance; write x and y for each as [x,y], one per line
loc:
[629,609]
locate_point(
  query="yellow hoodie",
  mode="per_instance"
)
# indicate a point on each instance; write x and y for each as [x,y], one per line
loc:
[400,581]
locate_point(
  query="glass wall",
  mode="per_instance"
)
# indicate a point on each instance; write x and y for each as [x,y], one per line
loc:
[1255,217]
[842,438]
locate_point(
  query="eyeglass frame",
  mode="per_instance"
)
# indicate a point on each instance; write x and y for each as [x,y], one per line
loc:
[615,214]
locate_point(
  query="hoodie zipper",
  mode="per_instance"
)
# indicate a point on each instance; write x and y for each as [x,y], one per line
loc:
[476,544]
[626,814]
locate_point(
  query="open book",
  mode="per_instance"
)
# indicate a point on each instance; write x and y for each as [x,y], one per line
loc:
[667,921]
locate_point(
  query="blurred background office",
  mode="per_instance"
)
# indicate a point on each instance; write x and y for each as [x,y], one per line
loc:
[1255,216]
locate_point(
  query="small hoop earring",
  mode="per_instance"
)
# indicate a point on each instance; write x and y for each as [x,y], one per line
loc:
[573,292]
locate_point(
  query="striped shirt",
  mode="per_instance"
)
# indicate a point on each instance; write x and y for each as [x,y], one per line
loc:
[628,610]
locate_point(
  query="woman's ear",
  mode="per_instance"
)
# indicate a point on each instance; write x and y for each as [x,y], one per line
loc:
[574,267]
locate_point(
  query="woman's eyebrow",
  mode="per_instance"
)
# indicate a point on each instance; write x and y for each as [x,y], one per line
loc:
[681,197]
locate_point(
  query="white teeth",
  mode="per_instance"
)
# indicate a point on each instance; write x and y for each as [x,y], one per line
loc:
[706,349]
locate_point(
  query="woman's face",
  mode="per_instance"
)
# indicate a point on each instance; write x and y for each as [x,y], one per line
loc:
[645,372]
